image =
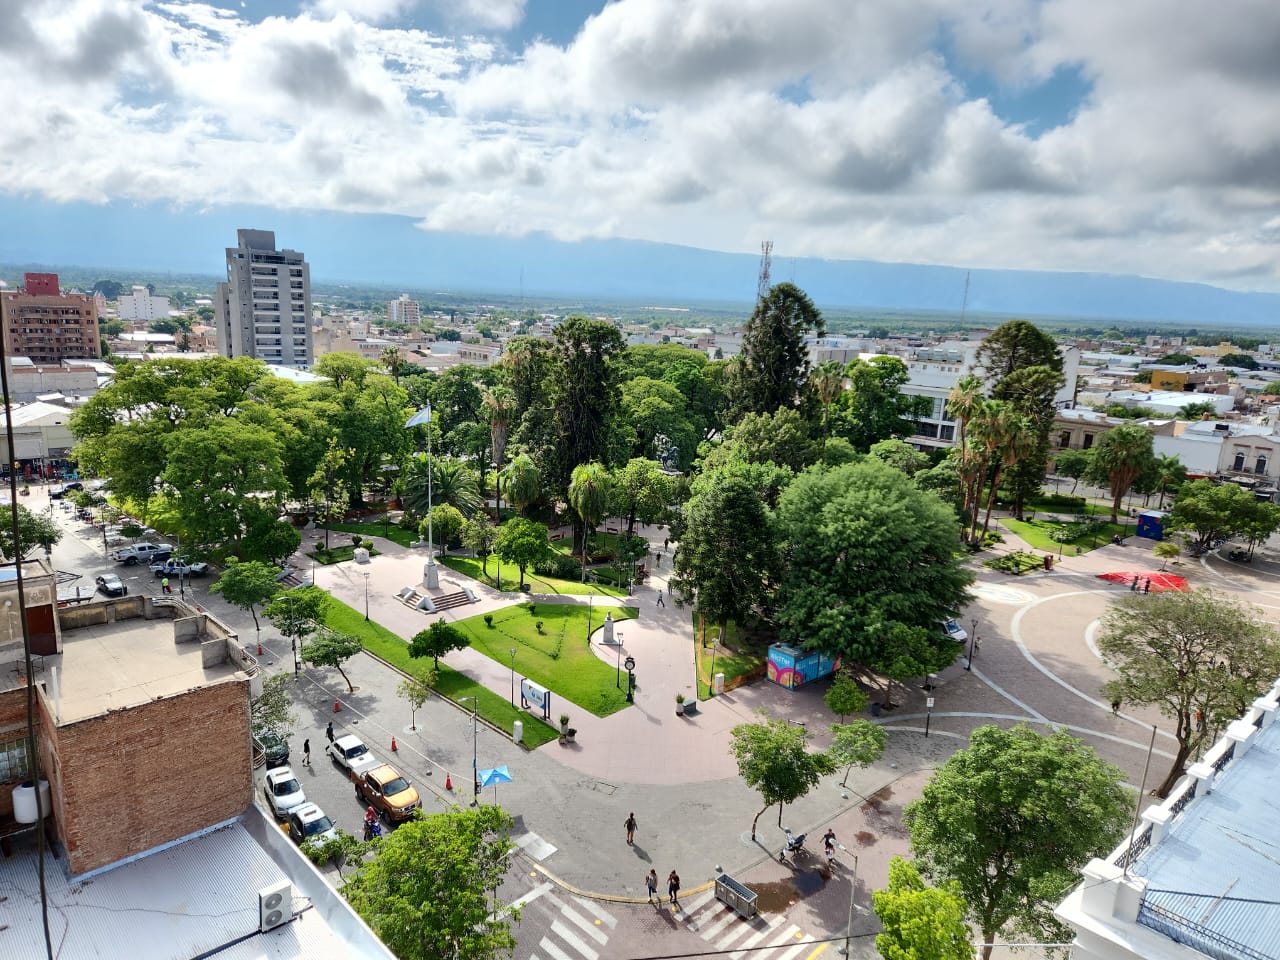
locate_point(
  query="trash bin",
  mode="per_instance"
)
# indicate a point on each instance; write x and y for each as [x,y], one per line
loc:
[517,732]
[717,684]
[736,896]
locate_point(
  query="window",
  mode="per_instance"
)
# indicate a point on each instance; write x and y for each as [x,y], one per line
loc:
[1088,441]
[13,761]
[1064,439]
[1261,466]
[1239,462]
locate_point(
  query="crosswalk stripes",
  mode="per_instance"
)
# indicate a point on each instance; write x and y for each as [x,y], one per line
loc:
[574,933]
[760,938]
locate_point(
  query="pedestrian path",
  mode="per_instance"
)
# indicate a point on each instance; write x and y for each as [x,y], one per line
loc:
[579,929]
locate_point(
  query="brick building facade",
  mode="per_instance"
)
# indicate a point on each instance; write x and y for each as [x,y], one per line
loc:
[40,322]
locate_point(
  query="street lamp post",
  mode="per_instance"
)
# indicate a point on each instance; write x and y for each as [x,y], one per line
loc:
[431,575]
[617,680]
[475,766]
[973,642]
[591,596]
[513,676]
[366,595]
[853,886]
[711,683]
[630,664]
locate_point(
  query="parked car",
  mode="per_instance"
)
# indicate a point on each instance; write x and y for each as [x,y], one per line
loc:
[283,792]
[179,567]
[351,755]
[140,552]
[388,792]
[111,585]
[308,822]
[951,627]
[273,746]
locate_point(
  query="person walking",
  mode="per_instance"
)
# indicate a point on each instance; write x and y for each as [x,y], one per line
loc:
[630,825]
[1115,708]
[660,603]
[651,883]
[328,732]
[165,585]
[673,887]
[306,752]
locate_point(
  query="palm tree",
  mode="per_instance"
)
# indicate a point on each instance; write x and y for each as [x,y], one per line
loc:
[499,407]
[521,480]
[1121,455]
[828,384]
[451,482]
[390,358]
[1171,473]
[1006,439]
[589,497]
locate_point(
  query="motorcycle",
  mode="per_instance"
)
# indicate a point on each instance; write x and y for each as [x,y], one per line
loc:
[372,830]
[794,844]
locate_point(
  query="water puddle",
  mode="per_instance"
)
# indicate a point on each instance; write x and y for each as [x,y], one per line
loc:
[777,896]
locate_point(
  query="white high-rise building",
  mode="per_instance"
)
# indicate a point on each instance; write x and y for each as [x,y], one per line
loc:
[141,305]
[264,308]
[403,310]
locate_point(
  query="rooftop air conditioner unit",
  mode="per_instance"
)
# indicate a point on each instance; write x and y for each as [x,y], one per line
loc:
[275,905]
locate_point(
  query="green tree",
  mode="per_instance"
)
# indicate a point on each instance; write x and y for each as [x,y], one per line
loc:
[34,530]
[1073,464]
[1195,411]
[844,696]
[1014,345]
[446,525]
[430,890]
[772,371]
[900,454]
[1166,550]
[583,394]
[774,760]
[639,491]
[781,437]
[839,594]
[1242,360]
[920,922]
[273,708]
[874,408]
[417,690]
[298,613]
[1011,820]
[828,386]
[588,496]
[1206,512]
[523,543]
[327,489]
[247,584]
[1189,655]
[522,482]
[452,482]
[437,640]
[329,648]
[857,744]
[728,551]
[1117,460]
[1170,475]
[391,362]
[499,405]
[477,534]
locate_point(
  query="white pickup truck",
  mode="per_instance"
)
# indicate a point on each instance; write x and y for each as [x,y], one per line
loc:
[352,755]
[142,553]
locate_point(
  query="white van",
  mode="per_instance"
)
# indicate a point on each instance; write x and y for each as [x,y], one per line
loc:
[952,629]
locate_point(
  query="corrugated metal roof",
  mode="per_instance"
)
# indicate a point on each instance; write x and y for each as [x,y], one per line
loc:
[1215,877]
[195,897]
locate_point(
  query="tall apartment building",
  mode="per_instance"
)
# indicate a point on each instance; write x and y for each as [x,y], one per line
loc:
[41,322]
[264,308]
[403,310]
[141,305]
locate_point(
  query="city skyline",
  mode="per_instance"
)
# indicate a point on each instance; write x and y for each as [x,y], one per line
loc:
[1009,134]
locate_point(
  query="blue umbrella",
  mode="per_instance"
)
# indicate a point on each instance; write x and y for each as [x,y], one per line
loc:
[494,777]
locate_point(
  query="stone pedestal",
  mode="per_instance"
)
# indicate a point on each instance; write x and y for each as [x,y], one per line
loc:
[606,635]
[431,575]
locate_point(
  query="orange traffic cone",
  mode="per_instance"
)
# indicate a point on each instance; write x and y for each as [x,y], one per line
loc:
[337,706]
[393,744]
[448,781]
[259,649]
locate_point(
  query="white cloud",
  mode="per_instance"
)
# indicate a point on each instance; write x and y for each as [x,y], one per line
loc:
[835,129]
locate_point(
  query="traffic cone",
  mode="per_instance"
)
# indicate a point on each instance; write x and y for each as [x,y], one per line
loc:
[393,744]
[448,781]
[259,649]
[337,706]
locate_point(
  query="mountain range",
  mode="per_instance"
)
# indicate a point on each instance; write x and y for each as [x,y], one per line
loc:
[391,251]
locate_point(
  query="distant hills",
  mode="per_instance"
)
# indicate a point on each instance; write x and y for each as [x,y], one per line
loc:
[382,250]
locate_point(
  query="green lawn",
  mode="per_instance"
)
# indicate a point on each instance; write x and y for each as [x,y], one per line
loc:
[736,657]
[1037,534]
[511,579]
[395,532]
[381,642]
[600,543]
[558,658]
[338,553]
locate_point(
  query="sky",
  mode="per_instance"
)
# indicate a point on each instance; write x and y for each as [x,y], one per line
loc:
[1137,137]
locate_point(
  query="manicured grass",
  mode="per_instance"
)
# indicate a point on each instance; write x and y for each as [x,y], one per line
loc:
[337,554]
[600,543]
[511,579]
[451,684]
[1037,534]
[737,657]
[395,532]
[558,658]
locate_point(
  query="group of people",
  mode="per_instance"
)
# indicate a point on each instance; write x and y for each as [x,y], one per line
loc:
[651,878]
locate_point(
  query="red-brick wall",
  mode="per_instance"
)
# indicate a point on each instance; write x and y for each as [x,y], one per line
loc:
[132,779]
[13,724]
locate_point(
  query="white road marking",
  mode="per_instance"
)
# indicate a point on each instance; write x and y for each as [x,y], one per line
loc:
[571,938]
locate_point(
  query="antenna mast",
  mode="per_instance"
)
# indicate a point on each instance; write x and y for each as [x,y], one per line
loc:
[964,302]
[766,257]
